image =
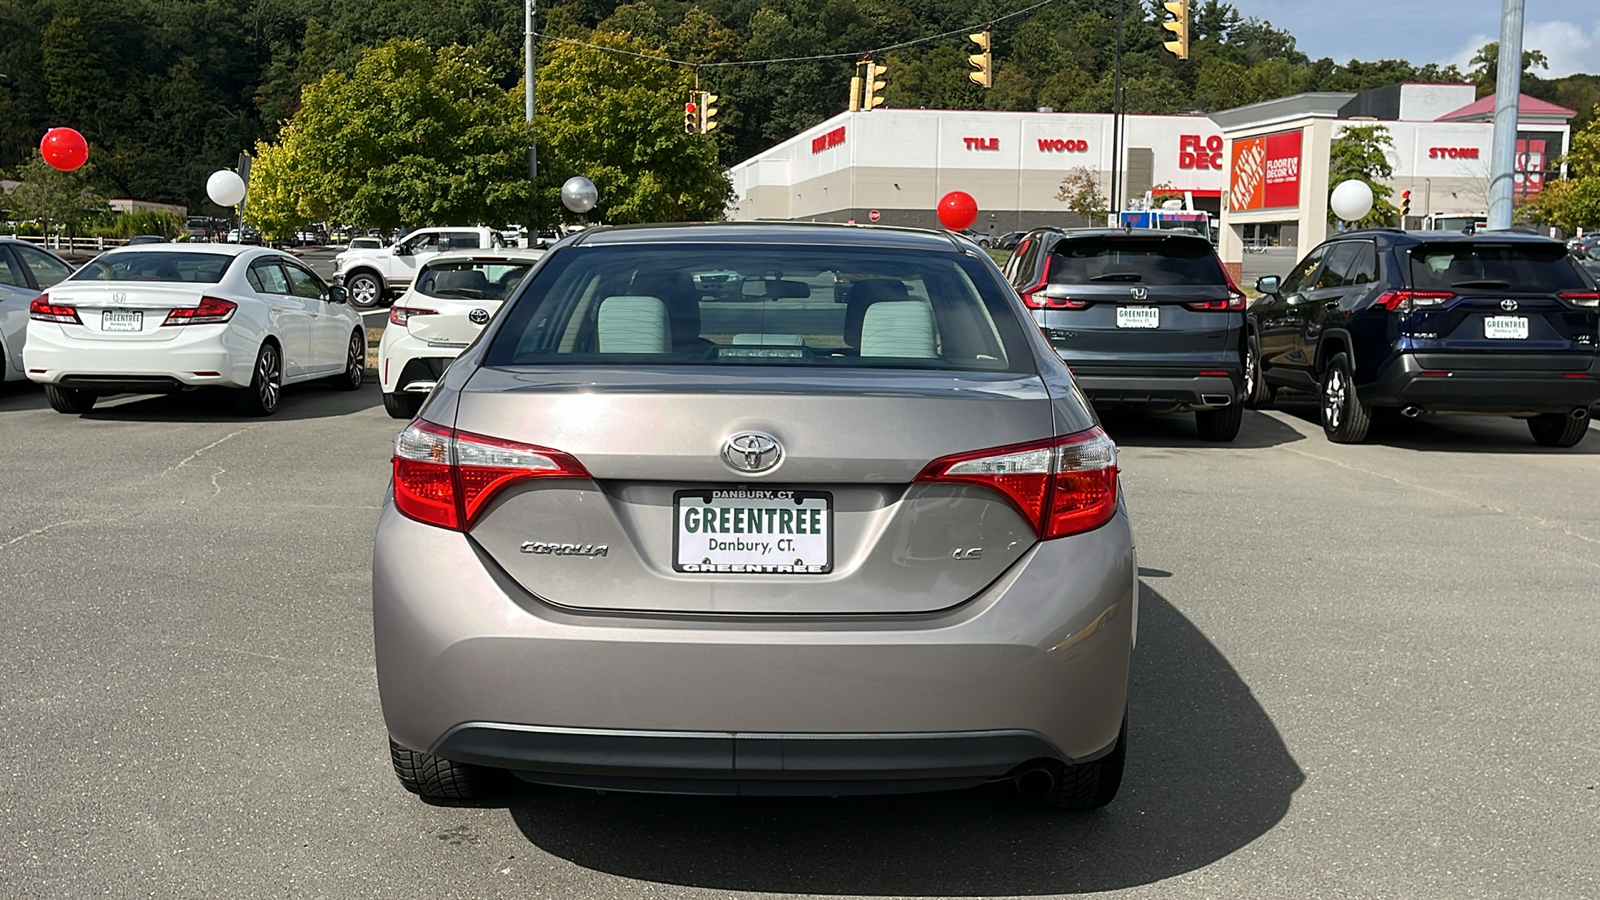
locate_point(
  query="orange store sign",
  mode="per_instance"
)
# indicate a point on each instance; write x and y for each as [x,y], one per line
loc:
[1265,172]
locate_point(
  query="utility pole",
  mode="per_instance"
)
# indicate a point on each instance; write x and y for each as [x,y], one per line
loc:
[1507,90]
[527,108]
[1116,122]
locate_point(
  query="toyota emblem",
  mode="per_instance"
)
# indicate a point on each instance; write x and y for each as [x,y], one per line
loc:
[1140,293]
[479,316]
[751,451]
[1508,305]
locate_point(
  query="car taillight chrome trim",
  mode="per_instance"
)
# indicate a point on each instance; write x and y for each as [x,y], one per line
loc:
[41,309]
[211,311]
[1062,486]
[1406,301]
[446,477]
[399,315]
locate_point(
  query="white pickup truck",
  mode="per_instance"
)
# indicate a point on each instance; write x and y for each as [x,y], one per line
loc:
[371,276]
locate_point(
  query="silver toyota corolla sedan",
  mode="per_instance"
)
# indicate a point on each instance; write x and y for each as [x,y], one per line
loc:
[833,521]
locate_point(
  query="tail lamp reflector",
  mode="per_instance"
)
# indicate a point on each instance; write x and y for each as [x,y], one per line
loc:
[1582,299]
[1406,301]
[44,311]
[211,311]
[1062,486]
[398,315]
[446,477]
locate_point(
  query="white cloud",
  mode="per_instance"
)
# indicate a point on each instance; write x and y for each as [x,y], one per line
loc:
[1568,45]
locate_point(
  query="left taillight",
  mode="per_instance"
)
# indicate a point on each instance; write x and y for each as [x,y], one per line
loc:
[446,477]
[44,311]
[211,311]
[1062,486]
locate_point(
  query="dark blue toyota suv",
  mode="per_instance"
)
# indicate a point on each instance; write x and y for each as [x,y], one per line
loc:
[1428,322]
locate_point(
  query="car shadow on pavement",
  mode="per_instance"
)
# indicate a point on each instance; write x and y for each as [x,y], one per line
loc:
[1207,774]
[1138,429]
[299,401]
[1447,434]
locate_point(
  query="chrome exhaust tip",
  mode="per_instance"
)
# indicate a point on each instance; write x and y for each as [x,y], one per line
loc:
[1411,412]
[1035,782]
[1216,399]
[1580,413]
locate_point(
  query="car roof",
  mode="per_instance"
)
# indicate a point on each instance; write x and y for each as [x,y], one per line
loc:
[1396,236]
[486,253]
[219,249]
[813,233]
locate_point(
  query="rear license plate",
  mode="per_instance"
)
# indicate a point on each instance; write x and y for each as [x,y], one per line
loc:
[1138,317]
[1505,327]
[122,320]
[753,531]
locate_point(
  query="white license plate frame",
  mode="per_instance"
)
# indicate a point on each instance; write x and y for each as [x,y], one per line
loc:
[1505,328]
[118,321]
[758,548]
[1138,317]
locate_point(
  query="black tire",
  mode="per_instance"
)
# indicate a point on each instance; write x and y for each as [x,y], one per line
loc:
[355,365]
[403,406]
[1219,425]
[266,383]
[72,401]
[1090,785]
[1256,393]
[1549,429]
[364,290]
[435,778]
[1345,419]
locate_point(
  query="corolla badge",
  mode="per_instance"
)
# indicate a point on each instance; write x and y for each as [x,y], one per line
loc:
[1140,293]
[550,548]
[751,451]
[1508,305]
[479,317]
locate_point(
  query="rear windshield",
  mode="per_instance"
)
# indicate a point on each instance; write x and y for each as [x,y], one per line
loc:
[1534,268]
[476,280]
[157,265]
[1135,260]
[769,304]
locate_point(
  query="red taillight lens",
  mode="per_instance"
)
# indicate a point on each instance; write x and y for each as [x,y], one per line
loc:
[211,311]
[445,477]
[1034,298]
[1406,301]
[1063,486]
[42,309]
[1234,303]
[1582,299]
[399,314]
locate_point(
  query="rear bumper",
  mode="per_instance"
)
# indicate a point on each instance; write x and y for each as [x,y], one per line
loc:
[471,667]
[404,360]
[1548,384]
[52,357]
[1153,387]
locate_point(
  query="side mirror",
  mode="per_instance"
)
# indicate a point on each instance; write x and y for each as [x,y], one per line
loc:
[1268,284]
[337,294]
[402,250]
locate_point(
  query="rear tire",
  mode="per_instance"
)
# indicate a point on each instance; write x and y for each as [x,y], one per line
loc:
[266,383]
[402,406]
[364,290]
[1345,419]
[1219,425]
[1549,429]
[355,365]
[1090,785]
[1256,393]
[71,401]
[435,778]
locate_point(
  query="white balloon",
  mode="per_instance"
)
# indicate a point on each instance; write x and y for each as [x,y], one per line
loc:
[1351,200]
[579,194]
[225,187]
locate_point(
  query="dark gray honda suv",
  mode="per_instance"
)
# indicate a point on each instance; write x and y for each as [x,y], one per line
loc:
[1146,319]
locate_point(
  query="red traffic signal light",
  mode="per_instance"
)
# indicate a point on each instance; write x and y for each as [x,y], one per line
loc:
[688,107]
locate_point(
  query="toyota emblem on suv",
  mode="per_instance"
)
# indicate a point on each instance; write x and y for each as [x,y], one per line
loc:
[1508,305]
[751,451]
[479,316]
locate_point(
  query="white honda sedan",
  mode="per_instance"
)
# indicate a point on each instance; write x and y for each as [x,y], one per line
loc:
[173,317]
[452,298]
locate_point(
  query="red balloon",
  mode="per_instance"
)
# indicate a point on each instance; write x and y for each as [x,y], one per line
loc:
[957,210]
[64,149]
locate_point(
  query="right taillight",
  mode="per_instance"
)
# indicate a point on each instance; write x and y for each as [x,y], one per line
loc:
[399,315]
[445,477]
[1062,486]
[1582,299]
[1406,301]
[44,311]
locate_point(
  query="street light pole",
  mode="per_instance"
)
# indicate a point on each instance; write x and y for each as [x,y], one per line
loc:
[1116,122]
[527,82]
[1507,90]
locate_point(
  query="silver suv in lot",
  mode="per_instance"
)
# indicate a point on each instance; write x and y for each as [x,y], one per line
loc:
[847,527]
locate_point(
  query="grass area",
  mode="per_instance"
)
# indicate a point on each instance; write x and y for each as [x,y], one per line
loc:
[1000,257]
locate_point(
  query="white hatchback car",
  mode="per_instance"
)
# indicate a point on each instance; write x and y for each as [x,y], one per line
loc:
[175,317]
[453,297]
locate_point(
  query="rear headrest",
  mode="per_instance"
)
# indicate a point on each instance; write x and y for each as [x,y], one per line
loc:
[862,295]
[461,280]
[677,291]
[632,325]
[894,329]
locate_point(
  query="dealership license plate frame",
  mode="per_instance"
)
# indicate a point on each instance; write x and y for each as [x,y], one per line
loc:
[1505,328]
[737,496]
[116,321]
[1147,317]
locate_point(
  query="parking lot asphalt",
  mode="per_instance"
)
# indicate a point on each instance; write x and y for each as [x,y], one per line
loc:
[1363,671]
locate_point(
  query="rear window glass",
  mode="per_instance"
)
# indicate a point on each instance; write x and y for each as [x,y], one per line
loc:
[156,265]
[783,305]
[1536,268]
[1135,260]
[478,280]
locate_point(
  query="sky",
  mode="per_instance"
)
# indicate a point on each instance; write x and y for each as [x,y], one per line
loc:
[1441,31]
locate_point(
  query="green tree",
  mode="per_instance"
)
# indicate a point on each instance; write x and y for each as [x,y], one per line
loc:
[1080,191]
[1361,152]
[1485,67]
[54,198]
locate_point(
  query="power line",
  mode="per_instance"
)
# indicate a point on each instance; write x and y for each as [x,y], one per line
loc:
[795,59]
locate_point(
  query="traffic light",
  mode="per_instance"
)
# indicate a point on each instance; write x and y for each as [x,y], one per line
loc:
[708,113]
[691,118]
[1405,207]
[1179,26]
[855,93]
[983,62]
[870,88]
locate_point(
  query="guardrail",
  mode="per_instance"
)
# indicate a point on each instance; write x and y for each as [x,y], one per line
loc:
[71,245]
